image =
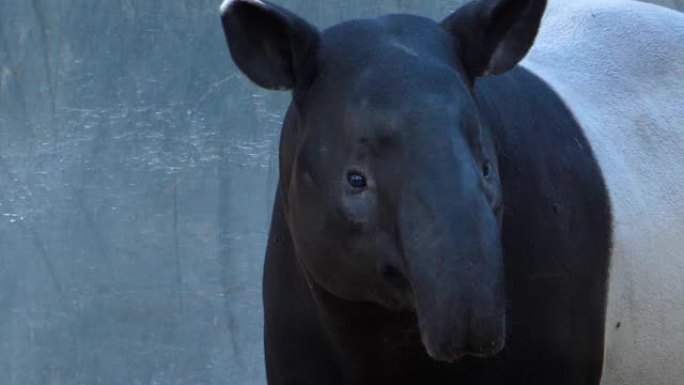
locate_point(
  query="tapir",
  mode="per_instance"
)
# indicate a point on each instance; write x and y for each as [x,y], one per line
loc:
[493,198]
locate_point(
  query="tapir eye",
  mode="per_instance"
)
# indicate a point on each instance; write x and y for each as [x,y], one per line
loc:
[357,179]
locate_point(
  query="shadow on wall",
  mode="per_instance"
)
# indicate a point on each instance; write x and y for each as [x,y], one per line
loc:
[675,4]
[137,170]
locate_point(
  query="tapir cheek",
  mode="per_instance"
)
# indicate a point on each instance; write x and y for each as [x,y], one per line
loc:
[358,212]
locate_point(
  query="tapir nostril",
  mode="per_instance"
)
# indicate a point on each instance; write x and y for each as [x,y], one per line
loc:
[389,272]
[393,276]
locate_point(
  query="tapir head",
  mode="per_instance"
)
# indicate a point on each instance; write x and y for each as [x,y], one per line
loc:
[388,171]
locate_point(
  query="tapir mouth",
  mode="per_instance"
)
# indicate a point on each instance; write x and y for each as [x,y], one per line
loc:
[452,340]
[449,351]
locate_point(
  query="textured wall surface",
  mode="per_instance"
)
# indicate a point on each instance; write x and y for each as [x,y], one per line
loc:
[136,176]
[137,170]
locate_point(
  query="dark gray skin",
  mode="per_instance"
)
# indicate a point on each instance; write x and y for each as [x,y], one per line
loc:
[385,261]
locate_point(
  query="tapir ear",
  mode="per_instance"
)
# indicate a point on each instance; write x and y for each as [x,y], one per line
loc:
[494,35]
[269,44]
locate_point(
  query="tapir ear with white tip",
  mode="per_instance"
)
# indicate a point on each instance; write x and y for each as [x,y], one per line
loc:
[269,44]
[494,35]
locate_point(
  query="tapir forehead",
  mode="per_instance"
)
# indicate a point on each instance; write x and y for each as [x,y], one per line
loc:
[392,44]
[392,68]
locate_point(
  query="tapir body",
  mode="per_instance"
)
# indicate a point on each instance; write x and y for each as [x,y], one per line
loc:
[495,198]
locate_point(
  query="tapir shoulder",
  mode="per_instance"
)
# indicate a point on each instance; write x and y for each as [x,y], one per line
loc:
[619,67]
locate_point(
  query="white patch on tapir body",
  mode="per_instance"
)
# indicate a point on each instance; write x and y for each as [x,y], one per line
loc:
[227,3]
[619,66]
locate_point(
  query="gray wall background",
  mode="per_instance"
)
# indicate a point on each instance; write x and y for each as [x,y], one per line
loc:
[137,169]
